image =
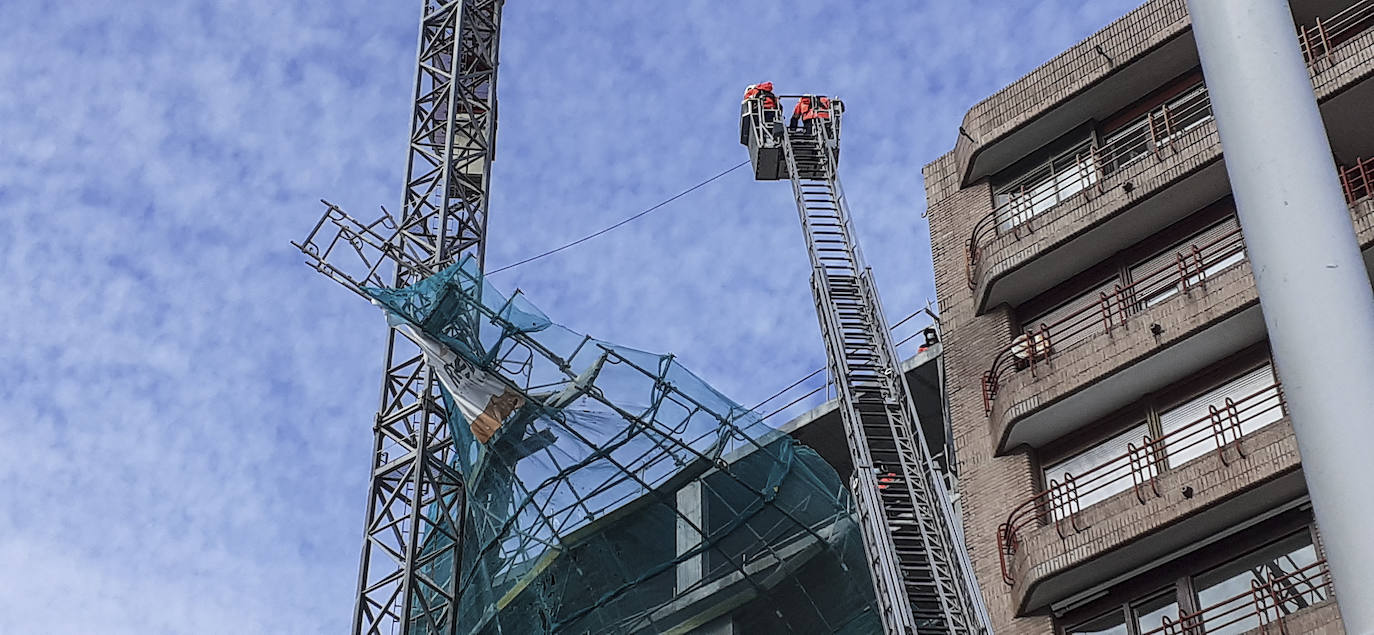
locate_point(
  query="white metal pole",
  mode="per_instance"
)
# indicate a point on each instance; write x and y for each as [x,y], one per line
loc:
[1313,286]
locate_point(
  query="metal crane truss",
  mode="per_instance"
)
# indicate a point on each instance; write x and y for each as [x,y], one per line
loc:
[920,573]
[415,495]
[453,128]
[610,490]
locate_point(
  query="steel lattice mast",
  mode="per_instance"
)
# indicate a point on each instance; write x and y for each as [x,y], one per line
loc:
[408,575]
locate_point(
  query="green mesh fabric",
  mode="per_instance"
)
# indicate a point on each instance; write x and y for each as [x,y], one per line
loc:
[623,494]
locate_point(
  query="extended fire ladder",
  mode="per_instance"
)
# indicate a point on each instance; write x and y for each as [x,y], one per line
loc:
[920,574]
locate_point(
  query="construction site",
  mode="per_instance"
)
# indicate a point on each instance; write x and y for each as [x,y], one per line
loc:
[1089,433]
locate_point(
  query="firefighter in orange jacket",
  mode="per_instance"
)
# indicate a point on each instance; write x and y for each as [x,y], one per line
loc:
[770,101]
[759,109]
[764,93]
[806,112]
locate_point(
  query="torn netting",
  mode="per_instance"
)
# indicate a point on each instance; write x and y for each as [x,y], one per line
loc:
[610,490]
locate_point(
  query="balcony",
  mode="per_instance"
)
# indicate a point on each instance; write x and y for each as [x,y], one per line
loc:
[1330,29]
[1110,194]
[1056,376]
[1144,177]
[1165,325]
[1093,79]
[1236,464]
[1297,601]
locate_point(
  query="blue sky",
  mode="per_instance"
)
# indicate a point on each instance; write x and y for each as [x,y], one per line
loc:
[185,408]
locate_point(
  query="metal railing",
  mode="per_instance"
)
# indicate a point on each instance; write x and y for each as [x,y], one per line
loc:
[1223,426]
[1110,310]
[1355,180]
[1270,600]
[1328,34]
[1091,169]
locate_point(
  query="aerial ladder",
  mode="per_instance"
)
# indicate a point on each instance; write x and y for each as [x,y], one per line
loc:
[921,575]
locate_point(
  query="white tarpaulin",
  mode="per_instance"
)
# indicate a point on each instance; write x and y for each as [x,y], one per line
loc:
[484,400]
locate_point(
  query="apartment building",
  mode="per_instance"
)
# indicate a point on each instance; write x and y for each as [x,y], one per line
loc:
[1127,463]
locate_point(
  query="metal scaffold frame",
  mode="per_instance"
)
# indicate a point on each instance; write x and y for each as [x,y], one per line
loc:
[412,534]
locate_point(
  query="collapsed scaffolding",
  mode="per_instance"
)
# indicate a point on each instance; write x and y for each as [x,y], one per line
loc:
[606,489]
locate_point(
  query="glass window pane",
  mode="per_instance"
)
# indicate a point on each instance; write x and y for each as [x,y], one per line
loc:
[1044,186]
[1218,247]
[1095,474]
[1189,111]
[1110,624]
[1224,593]
[1075,321]
[1149,614]
[1221,263]
[1187,427]
[1125,147]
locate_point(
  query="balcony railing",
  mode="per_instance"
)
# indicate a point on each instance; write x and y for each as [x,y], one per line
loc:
[1042,342]
[1270,599]
[1139,468]
[1328,34]
[1355,180]
[1091,168]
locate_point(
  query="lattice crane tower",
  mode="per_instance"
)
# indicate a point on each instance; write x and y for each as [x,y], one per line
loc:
[407,577]
[920,573]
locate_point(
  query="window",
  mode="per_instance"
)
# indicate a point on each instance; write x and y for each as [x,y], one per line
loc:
[1149,613]
[1105,469]
[1181,114]
[1075,321]
[1211,589]
[1044,186]
[1110,624]
[1179,108]
[1205,254]
[1126,146]
[1255,407]
[1224,592]
[1145,284]
[1134,618]
[1092,476]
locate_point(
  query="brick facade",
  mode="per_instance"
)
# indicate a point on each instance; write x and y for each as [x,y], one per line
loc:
[995,478]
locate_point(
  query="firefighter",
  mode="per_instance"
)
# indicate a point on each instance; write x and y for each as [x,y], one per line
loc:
[886,478]
[766,113]
[806,112]
[759,111]
[770,101]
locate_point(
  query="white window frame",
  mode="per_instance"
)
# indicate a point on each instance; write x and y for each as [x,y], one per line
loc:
[1197,407]
[1118,478]
[1045,187]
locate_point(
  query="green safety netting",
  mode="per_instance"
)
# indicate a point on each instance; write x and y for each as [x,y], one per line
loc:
[610,490]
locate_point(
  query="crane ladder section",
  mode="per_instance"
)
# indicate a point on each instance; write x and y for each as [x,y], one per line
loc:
[905,521]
